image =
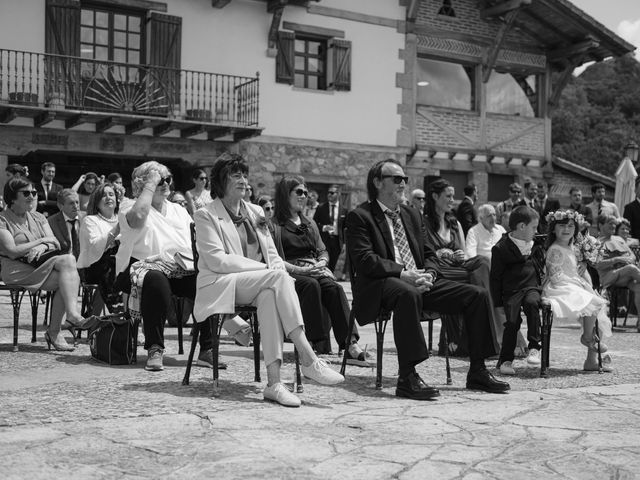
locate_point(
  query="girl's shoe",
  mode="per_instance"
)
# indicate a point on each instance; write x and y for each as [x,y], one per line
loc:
[593,345]
[59,346]
[592,366]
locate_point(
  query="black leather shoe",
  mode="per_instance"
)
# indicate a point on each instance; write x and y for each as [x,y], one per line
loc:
[483,380]
[413,387]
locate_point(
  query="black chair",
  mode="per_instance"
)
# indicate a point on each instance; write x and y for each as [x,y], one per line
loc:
[380,325]
[616,298]
[16,293]
[216,321]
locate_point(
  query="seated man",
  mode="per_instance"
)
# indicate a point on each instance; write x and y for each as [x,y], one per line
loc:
[396,270]
[483,236]
[65,224]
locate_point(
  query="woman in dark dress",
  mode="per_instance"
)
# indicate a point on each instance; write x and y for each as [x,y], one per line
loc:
[298,242]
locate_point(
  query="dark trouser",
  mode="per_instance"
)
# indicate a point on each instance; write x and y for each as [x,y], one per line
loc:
[333,248]
[314,293]
[529,300]
[157,299]
[445,296]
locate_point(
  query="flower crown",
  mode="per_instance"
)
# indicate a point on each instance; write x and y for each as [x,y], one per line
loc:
[560,215]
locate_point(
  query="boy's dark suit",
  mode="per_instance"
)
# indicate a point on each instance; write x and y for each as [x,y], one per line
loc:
[334,242]
[50,202]
[514,284]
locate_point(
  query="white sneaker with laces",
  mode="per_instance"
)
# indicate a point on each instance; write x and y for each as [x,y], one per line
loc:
[507,368]
[322,373]
[534,357]
[280,394]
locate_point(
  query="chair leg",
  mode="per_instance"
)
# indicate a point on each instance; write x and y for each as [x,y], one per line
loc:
[255,335]
[192,351]
[179,313]
[299,385]
[16,301]
[47,308]
[446,352]
[381,326]
[613,306]
[352,321]
[430,336]
[545,338]
[34,298]
[215,323]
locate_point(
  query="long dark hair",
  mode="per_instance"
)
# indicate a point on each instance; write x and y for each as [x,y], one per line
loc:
[450,220]
[96,196]
[282,210]
[551,236]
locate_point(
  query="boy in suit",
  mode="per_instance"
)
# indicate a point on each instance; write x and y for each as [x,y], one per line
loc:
[515,284]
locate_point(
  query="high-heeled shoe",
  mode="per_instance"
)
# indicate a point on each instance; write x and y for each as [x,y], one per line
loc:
[593,345]
[60,347]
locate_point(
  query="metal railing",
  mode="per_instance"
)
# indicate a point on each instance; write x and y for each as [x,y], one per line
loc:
[62,82]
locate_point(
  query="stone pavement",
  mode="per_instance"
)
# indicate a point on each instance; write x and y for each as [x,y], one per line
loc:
[63,415]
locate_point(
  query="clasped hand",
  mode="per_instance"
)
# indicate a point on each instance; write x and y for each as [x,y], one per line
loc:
[418,278]
[318,267]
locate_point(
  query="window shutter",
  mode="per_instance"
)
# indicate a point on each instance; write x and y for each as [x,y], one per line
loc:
[285,58]
[165,47]
[62,27]
[341,65]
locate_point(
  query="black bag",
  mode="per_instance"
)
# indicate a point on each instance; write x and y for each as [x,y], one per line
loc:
[41,259]
[114,340]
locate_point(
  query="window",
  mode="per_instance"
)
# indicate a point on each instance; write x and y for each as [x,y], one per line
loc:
[512,94]
[499,187]
[445,84]
[313,61]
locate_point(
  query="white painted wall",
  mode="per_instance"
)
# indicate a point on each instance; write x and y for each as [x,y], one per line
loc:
[22,25]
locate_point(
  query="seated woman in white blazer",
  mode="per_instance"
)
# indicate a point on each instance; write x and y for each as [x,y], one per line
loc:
[239,264]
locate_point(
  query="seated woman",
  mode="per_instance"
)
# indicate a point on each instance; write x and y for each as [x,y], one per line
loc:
[199,195]
[98,245]
[568,288]
[154,244]
[239,265]
[617,266]
[26,240]
[267,207]
[444,235]
[299,244]
[85,186]
[623,230]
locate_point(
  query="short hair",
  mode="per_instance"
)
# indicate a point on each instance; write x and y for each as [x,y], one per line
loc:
[621,222]
[226,164]
[416,192]
[522,214]
[14,168]
[606,217]
[263,200]
[140,173]
[542,184]
[574,189]
[515,186]
[485,209]
[597,186]
[11,188]
[65,194]
[376,172]
[282,212]
[113,177]
[96,196]
[172,196]
[528,183]
[469,189]
[46,165]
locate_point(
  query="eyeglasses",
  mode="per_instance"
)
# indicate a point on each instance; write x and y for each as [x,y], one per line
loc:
[28,193]
[301,192]
[332,192]
[421,199]
[267,209]
[168,180]
[397,179]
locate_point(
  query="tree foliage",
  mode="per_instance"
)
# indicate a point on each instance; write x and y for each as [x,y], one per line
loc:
[598,114]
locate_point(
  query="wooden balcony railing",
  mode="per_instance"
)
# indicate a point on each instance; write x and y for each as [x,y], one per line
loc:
[62,82]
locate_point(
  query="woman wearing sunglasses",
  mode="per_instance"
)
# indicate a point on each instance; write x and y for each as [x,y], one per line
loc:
[26,240]
[155,259]
[239,265]
[298,242]
[267,207]
[199,195]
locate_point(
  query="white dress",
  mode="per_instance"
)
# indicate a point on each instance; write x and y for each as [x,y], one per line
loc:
[571,295]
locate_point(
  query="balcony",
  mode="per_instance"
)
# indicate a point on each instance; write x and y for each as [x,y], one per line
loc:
[141,98]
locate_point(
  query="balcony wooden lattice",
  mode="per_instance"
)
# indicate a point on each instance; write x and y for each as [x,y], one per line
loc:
[147,98]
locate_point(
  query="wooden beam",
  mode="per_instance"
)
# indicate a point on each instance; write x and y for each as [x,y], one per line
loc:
[163,128]
[8,114]
[192,131]
[543,21]
[273,5]
[492,54]
[103,125]
[219,3]
[490,158]
[412,10]
[244,133]
[219,132]
[576,49]
[43,119]
[556,90]
[314,30]
[74,121]
[140,4]
[451,155]
[525,161]
[135,126]
[508,160]
[503,8]
[275,26]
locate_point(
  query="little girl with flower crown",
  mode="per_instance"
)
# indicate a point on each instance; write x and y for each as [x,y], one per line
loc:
[568,287]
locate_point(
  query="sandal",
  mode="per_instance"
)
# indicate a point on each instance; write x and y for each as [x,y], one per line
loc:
[593,345]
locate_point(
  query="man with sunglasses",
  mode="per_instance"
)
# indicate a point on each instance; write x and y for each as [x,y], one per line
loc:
[396,270]
[330,219]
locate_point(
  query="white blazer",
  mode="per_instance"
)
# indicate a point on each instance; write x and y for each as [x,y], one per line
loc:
[220,256]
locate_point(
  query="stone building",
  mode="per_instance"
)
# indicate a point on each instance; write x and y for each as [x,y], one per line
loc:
[324,88]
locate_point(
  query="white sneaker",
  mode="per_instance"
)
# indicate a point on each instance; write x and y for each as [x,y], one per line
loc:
[280,394]
[507,368]
[534,357]
[322,373]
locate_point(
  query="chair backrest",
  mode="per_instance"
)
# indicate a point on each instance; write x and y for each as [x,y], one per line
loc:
[194,246]
[539,255]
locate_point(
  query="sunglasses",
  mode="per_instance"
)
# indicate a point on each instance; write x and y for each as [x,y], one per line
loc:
[397,179]
[422,199]
[28,193]
[332,192]
[301,192]
[168,180]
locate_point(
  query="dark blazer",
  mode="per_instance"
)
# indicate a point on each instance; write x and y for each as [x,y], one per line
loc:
[59,226]
[632,213]
[511,271]
[466,215]
[370,247]
[50,205]
[551,205]
[322,217]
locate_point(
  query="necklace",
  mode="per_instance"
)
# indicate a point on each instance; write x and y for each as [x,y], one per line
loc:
[113,219]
